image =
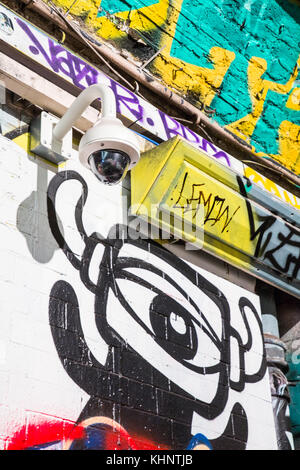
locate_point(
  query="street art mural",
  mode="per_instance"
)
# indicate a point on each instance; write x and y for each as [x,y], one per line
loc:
[164,347]
[114,342]
[246,79]
[55,57]
[272,187]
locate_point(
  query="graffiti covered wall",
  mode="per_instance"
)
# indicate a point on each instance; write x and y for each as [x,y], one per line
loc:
[52,55]
[243,71]
[112,342]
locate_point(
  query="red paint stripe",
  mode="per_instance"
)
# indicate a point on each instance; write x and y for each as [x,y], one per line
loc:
[44,432]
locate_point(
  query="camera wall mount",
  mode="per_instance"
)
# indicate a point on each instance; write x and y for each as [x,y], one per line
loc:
[51,138]
[42,142]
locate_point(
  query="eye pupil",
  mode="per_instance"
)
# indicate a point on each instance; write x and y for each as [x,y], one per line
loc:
[175,332]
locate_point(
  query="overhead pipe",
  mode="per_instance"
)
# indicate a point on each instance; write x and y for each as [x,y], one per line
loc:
[224,139]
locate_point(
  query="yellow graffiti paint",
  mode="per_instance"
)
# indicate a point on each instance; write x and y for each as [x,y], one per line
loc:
[193,198]
[114,27]
[289,146]
[196,199]
[197,83]
[180,75]
[144,19]
[258,89]
[190,78]
[187,77]
[23,141]
[86,11]
[293,101]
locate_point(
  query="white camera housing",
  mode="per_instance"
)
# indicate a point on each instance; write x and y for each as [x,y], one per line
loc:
[108,148]
[109,134]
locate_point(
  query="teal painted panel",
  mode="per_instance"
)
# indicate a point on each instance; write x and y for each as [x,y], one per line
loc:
[295,407]
[274,112]
[116,6]
[255,28]
[293,360]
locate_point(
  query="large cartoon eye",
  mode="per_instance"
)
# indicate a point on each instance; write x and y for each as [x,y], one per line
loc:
[173,318]
[170,316]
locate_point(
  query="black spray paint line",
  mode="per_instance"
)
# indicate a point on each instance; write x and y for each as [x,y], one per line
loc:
[209,202]
[283,240]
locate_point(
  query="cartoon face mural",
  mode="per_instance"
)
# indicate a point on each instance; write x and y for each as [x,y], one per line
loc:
[174,350]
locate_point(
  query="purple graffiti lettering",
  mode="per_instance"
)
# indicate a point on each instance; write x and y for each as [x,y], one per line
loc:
[70,65]
[191,136]
[82,75]
[77,70]
[221,154]
[128,99]
[172,127]
[217,153]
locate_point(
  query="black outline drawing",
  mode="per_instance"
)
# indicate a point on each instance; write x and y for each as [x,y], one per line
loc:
[110,387]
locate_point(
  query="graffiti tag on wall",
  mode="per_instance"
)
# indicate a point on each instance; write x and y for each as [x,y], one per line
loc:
[55,57]
[69,66]
[111,343]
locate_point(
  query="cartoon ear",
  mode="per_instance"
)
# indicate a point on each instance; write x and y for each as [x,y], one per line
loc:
[252,358]
[54,185]
[254,349]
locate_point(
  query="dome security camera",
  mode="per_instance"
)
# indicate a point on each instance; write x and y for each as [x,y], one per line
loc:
[108,148]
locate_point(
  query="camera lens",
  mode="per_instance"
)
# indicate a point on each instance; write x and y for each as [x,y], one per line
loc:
[109,166]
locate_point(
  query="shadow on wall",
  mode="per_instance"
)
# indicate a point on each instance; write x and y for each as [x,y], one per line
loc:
[289,7]
[32,221]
